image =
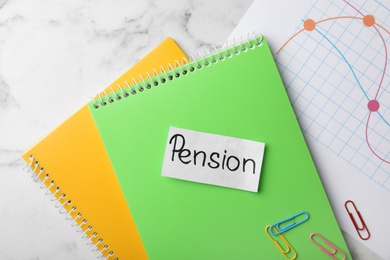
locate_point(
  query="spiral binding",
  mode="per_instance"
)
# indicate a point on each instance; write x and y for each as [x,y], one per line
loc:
[64,205]
[179,69]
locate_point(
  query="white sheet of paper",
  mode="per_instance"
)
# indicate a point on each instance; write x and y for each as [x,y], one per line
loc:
[330,74]
[213,159]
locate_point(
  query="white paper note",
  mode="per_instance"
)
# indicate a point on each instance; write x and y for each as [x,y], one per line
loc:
[213,159]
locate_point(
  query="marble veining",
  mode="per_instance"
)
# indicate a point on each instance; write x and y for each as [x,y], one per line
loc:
[56,55]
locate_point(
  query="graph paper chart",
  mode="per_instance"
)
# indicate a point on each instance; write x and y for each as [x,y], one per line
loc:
[336,72]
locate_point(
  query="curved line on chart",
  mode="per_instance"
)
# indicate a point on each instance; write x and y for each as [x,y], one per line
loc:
[375,25]
[353,72]
[325,20]
[368,120]
[357,10]
[346,61]
[351,17]
[368,143]
[343,17]
[380,84]
[292,37]
[384,45]
[385,66]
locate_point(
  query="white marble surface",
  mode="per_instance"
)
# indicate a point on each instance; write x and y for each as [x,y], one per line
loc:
[55,55]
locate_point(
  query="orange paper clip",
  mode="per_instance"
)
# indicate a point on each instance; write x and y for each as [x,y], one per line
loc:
[335,253]
[289,252]
[361,228]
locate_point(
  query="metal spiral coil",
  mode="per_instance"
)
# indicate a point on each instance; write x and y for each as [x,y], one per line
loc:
[64,206]
[179,68]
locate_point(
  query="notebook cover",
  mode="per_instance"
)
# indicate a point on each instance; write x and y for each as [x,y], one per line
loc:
[75,158]
[242,97]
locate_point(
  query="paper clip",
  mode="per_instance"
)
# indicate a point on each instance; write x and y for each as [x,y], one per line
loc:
[288,224]
[332,253]
[363,228]
[286,252]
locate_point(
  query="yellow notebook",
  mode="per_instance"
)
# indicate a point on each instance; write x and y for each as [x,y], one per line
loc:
[73,164]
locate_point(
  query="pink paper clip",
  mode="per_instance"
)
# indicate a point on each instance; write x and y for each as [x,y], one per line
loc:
[360,230]
[333,253]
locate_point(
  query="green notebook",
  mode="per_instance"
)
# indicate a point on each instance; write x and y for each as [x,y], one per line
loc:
[235,93]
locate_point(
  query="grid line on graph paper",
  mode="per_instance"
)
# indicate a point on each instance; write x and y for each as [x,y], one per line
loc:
[332,72]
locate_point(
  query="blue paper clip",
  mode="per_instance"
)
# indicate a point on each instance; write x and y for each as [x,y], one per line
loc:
[288,223]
